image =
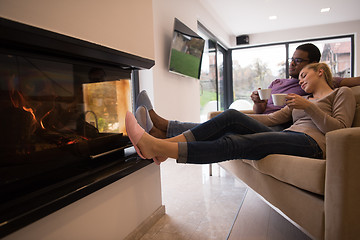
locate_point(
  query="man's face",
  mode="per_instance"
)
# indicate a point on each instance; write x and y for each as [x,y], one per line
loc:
[299,60]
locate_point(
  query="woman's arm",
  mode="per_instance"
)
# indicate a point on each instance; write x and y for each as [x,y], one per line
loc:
[343,110]
[279,117]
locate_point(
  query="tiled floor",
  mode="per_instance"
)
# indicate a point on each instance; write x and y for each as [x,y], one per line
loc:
[257,220]
[197,206]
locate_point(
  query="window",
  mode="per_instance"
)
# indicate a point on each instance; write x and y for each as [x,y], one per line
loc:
[208,83]
[256,67]
[337,53]
[221,76]
[212,75]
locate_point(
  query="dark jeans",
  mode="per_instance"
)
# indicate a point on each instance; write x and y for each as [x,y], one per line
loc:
[234,135]
[176,127]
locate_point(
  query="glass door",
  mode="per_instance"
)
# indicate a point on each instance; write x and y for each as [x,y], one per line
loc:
[212,78]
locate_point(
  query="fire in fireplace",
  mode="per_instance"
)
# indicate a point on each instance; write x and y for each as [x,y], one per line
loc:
[53,111]
[62,107]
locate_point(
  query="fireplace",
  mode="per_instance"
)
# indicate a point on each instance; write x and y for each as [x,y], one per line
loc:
[62,103]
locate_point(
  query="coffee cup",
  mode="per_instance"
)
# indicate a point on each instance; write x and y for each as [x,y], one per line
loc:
[264,94]
[279,99]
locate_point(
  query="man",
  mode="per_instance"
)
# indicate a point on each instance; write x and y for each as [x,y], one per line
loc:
[303,55]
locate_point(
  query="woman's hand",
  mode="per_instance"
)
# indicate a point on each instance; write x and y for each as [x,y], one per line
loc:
[295,101]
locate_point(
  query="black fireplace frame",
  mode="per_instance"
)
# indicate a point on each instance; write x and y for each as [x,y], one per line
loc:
[89,177]
[28,38]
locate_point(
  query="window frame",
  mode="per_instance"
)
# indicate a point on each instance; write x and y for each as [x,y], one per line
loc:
[287,43]
[227,65]
[229,81]
[228,87]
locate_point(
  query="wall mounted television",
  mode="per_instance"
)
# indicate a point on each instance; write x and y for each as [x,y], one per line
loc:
[186,51]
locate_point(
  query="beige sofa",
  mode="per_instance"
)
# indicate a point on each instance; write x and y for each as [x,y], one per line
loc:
[321,197]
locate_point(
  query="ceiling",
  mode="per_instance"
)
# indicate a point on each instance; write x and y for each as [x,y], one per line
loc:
[248,17]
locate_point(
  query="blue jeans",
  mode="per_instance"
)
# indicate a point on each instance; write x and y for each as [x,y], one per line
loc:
[234,135]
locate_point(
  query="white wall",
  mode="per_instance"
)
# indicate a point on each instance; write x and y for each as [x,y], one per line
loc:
[120,24]
[318,31]
[174,96]
[112,212]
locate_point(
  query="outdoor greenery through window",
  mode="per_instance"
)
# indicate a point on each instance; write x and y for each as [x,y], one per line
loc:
[208,80]
[212,76]
[257,67]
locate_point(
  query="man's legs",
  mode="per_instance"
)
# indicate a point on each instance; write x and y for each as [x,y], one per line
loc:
[176,128]
[164,128]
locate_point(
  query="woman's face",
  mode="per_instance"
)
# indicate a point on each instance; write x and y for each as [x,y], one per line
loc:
[308,79]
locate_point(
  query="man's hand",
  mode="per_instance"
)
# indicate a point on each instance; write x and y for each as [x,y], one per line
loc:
[255,97]
[259,105]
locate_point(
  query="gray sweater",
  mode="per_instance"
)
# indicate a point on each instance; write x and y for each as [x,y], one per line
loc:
[334,111]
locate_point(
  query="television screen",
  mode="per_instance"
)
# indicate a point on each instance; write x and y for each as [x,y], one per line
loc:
[186,51]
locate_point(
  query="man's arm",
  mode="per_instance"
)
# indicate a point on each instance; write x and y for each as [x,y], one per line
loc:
[350,82]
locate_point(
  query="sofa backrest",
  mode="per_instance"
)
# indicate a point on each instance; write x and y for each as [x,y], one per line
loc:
[356,92]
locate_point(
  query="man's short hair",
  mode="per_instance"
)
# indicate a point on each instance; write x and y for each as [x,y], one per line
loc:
[312,50]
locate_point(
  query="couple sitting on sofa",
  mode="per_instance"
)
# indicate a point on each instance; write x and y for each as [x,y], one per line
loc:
[304,138]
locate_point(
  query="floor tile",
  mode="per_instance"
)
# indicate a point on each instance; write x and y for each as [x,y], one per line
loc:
[198,206]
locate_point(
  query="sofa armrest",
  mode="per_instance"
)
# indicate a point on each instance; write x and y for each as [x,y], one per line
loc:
[342,184]
[215,113]
[247,111]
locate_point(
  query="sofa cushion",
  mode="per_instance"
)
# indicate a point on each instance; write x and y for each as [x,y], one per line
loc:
[356,121]
[304,173]
[356,92]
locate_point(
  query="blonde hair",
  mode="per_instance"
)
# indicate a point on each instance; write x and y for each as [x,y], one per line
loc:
[325,68]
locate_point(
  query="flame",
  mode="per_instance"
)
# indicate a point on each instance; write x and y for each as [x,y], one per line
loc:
[19,101]
[36,112]
[30,111]
[41,120]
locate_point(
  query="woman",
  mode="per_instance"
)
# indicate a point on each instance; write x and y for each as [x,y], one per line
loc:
[234,135]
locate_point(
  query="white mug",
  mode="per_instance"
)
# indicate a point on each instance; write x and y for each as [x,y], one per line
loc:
[279,99]
[264,93]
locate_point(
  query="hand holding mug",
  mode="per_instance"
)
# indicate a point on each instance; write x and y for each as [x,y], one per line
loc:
[295,101]
[255,97]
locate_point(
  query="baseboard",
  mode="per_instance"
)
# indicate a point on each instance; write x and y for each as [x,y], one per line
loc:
[145,226]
